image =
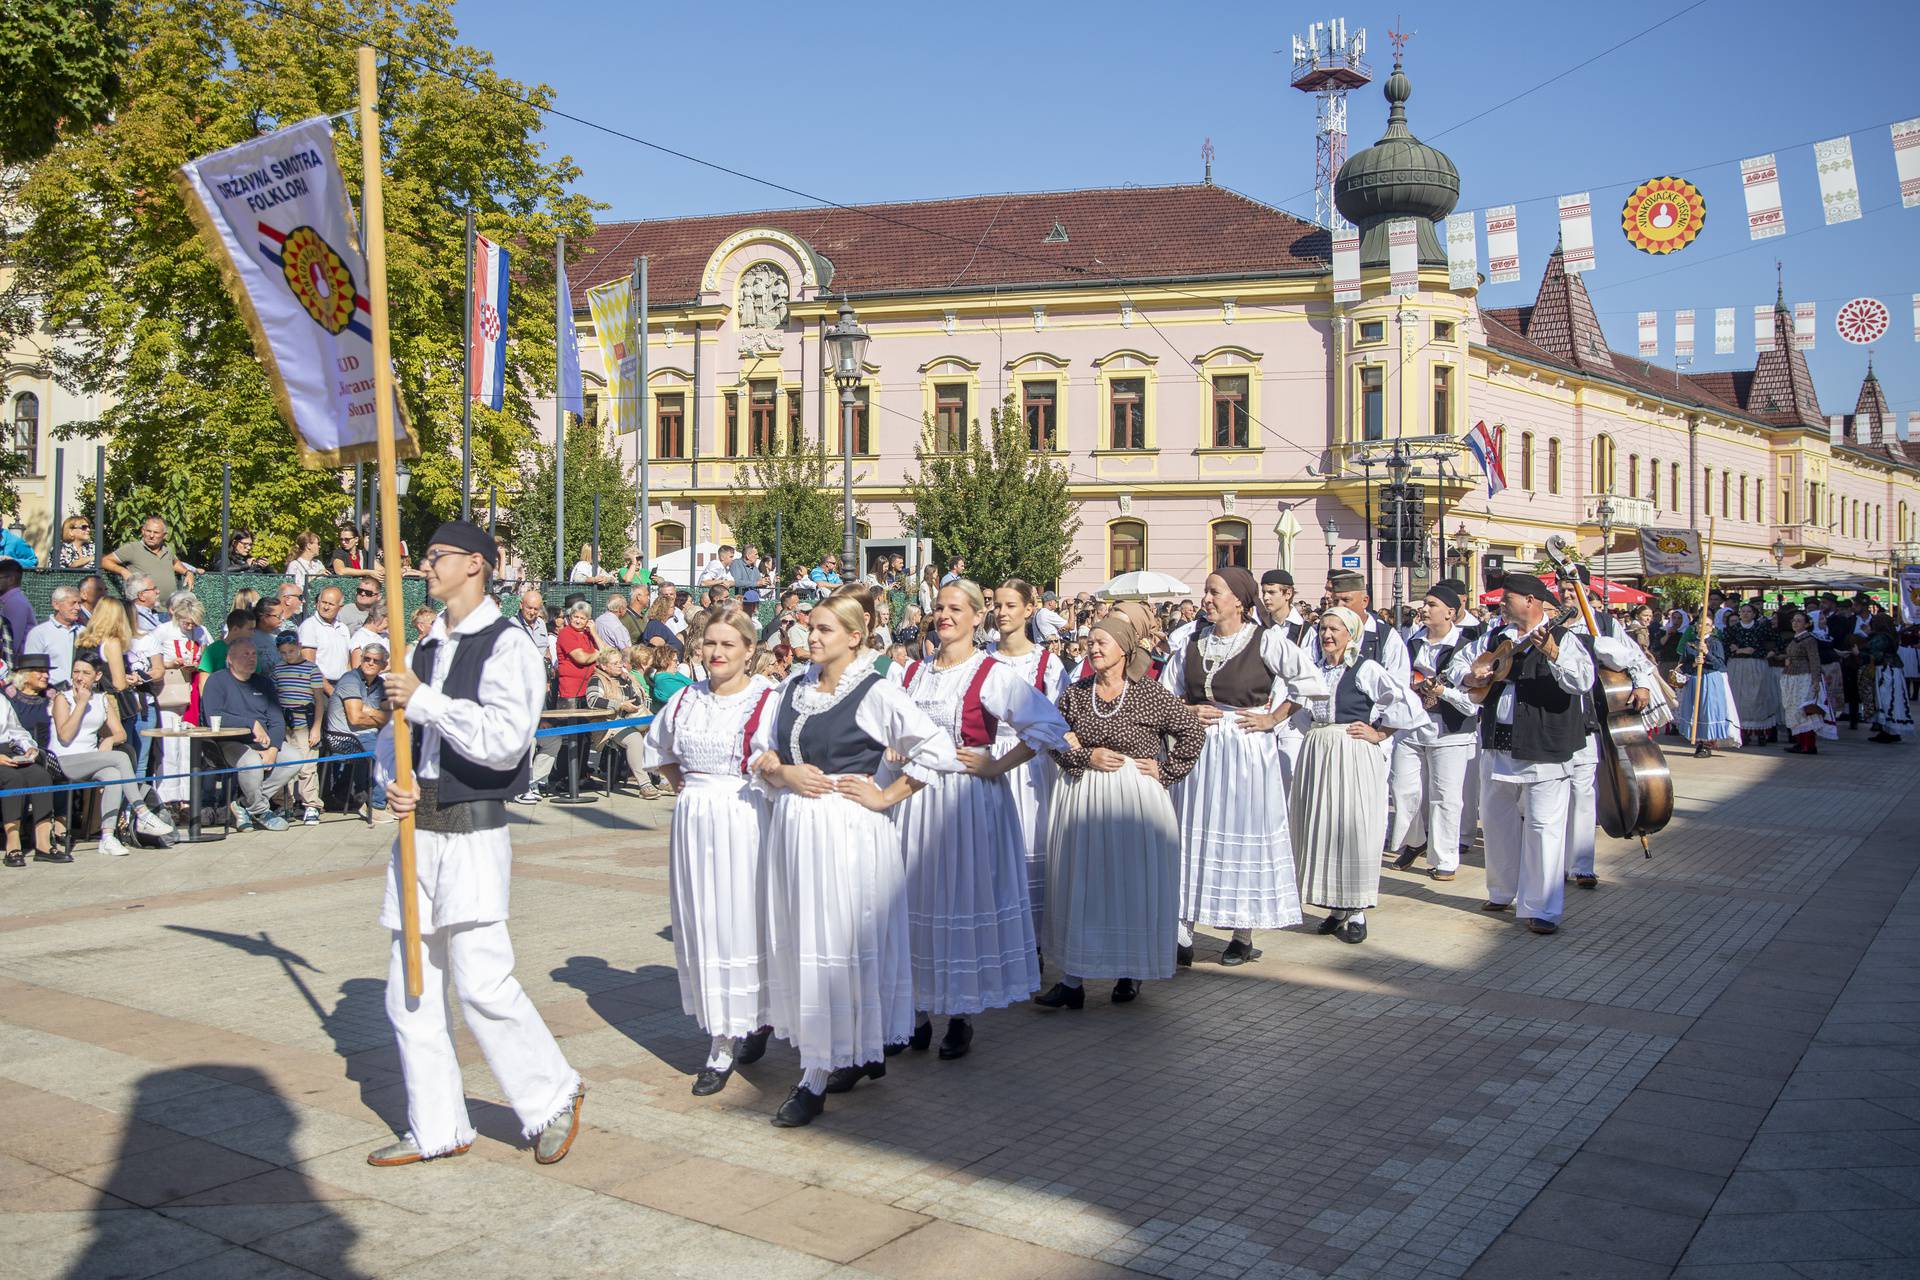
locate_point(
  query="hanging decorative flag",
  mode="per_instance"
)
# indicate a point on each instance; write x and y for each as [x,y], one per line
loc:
[1463,253]
[1803,326]
[488,359]
[1503,245]
[1906,161]
[1484,443]
[1649,334]
[274,213]
[1663,214]
[612,308]
[1723,331]
[1664,551]
[1403,256]
[1916,317]
[1576,233]
[1683,335]
[572,391]
[1346,265]
[1839,189]
[1863,321]
[1763,328]
[1761,178]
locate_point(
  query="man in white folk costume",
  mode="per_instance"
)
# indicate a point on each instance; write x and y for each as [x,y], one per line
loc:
[1277,610]
[1432,763]
[473,698]
[1533,723]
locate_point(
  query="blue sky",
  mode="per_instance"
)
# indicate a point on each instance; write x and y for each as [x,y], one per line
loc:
[947,100]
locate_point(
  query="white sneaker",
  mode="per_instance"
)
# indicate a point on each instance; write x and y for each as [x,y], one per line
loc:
[311,817]
[111,846]
[152,824]
[529,796]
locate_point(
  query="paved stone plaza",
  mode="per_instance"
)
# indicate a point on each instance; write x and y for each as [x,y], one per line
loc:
[1715,1067]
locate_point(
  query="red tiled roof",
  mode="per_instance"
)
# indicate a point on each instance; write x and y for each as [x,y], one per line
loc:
[1126,233]
[1871,420]
[1563,321]
[1782,391]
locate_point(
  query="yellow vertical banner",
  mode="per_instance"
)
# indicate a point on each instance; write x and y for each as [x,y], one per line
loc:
[612,308]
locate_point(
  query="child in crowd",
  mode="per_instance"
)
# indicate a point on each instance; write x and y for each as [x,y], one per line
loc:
[664,674]
[301,690]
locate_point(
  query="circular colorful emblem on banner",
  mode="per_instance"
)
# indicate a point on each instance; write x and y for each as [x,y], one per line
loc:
[318,278]
[1863,320]
[1669,545]
[1663,214]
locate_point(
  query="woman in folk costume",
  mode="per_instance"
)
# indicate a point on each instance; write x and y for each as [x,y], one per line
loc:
[1340,785]
[1804,709]
[1707,714]
[1755,687]
[1892,715]
[1113,841]
[839,972]
[968,911]
[1013,605]
[703,741]
[1431,762]
[1243,680]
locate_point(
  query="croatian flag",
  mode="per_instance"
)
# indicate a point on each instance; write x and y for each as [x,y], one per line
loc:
[488,359]
[1485,444]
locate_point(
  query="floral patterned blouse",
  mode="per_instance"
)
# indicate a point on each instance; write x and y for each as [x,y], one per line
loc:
[1149,719]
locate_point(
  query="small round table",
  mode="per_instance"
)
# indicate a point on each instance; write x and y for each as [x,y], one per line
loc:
[195,736]
[574,745]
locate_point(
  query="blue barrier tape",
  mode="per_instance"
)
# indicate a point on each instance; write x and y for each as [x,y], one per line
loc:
[557,731]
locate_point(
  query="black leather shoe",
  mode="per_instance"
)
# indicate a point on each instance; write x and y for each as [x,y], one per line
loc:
[1701,753]
[800,1108]
[1126,990]
[1183,956]
[1496,906]
[58,855]
[1062,996]
[842,1079]
[749,1049]
[1353,931]
[958,1040]
[922,1037]
[1587,882]
[1239,952]
[16,859]
[1542,927]
[1330,925]
[1407,858]
[895,1050]
[712,1080]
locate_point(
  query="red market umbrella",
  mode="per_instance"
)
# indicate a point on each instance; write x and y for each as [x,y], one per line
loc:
[1605,590]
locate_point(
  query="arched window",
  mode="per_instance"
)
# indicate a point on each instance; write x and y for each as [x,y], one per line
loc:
[669,536]
[25,440]
[1229,544]
[1633,475]
[1126,547]
[1653,483]
[1526,460]
[1602,477]
[1743,497]
[1553,466]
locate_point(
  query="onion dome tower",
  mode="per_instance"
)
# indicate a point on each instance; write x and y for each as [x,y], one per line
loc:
[1397,177]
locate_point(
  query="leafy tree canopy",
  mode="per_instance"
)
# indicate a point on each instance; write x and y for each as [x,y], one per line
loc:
[61,61]
[593,468]
[791,501]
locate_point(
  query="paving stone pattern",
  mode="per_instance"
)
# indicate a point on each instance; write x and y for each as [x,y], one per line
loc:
[1711,1068]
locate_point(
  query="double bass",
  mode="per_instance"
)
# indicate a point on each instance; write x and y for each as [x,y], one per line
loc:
[1635,788]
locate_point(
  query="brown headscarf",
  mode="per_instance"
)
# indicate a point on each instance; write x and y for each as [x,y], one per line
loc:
[1140,618]
[1117,626]
[1244,589]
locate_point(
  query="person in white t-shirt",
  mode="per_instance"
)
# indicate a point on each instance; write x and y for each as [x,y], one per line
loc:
[373,631]
[326,641]
[587,570]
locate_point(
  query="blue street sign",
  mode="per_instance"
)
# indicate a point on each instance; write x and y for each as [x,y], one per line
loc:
[1349,562]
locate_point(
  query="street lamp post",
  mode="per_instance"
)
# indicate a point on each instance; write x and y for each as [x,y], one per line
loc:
[1779,550]
[1398,464]
[1332,533]
[849,354]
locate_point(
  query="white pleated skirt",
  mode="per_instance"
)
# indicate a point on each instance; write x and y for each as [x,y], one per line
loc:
[1797,693]
[1340,818]
[1719,717]
[1756,692]
[968,915]
[718,902]
[1236,860]
[1113,876]
[839,973]
[1032,786]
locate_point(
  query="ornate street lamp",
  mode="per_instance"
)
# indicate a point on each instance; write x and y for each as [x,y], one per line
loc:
[1779,550]
[1332,532]
[849,344]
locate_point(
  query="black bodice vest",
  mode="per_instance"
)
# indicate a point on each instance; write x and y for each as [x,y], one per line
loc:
[832,740]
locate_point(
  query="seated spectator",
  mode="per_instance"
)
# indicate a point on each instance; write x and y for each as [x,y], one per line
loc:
[239,557]
[293,604]
[577,650]
[372,631]
[22,767]
[143,593]
[56,635]
[366,598]
[93,589]
[351,558]
[239,630]
[306,562]
[613,691]
[170,654]
[152,556]
[327,641]
[266,636]
[240,697]
[356,712]
[301,689]
[86,737]
[423,619]
[665,676]
[587,571]
[827,572]
[76,543]
[611,626]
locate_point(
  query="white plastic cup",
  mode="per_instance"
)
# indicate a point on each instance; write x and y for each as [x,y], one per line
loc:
[216,721]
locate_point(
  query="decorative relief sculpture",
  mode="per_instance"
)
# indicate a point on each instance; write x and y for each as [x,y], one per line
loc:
[763,308]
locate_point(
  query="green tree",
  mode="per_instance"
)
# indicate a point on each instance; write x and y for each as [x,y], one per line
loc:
[593,467]
[61,61]
[797,494]
[108,255]
[1005,508]
[1677,590]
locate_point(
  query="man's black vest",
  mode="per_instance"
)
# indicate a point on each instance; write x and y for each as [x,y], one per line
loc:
[462,779]
[1451,717]
[1549,724]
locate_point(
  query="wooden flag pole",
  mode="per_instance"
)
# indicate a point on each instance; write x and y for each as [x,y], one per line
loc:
[1700,639]
[373,210]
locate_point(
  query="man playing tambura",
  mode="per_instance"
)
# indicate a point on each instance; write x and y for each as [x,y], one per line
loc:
[472,697]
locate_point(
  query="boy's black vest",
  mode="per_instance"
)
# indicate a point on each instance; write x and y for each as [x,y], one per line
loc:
[462,779]
[1452,718]
[1549,724]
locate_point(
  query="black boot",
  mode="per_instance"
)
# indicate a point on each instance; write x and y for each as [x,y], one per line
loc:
[800,1108]
[1126,990]
[1183,956]
[922,1036]
[843,1079]
[1062,996]
[958,1040]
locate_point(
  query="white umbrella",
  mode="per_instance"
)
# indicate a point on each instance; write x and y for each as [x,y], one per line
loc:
[680,567]
[1143,584]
